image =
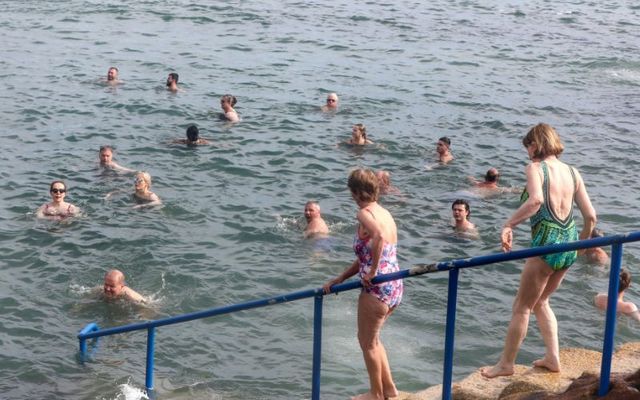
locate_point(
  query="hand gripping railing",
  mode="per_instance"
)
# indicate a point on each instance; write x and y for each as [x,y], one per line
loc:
[92,331]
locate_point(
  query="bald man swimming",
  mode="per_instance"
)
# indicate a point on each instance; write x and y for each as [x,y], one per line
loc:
[115,287]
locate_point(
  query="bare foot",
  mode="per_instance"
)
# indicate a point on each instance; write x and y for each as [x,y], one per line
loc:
[496,370]
[553,366]
[390,393]
[366,396]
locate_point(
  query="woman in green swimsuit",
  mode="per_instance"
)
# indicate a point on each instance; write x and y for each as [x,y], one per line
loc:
[552,188]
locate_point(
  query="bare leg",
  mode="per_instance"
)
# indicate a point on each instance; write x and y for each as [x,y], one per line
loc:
[533,280]
[371,316]
[548,324]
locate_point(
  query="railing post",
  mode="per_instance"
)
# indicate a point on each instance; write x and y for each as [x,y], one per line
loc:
[610,325]
[450,333]
[317,346]
[84,356]
[151,338]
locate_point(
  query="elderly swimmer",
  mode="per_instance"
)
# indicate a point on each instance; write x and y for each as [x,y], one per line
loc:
[115,288]
[316,227]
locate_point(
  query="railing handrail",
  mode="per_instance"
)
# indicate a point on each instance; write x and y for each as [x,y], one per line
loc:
[91,331]
[417,269]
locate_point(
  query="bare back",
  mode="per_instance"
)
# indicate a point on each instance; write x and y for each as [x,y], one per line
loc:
[562,187]
[383,220]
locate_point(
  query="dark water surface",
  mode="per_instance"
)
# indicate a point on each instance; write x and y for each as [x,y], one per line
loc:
[230,229]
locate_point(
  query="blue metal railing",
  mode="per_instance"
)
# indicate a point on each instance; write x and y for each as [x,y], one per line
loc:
[92,331]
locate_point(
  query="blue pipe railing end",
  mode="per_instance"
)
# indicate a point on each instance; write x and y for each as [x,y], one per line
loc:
[84,354]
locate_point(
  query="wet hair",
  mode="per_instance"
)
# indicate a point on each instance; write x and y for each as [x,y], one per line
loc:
[363,130]
[227,98]
[145,176]
[595,233]
[546,140]
[192,133]
[54,182]
[105,148]
[491,176]
[625,280]
[445,140]
[364,185]
[463,202]
[174,76]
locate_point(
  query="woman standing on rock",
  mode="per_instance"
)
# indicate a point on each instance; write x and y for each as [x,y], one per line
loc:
[552,188]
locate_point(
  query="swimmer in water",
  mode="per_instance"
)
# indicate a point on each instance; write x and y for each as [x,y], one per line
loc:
[112,76]
[226,103]
[460,211]
[193,137]
[57,209]
[143,195]
[105,155]
[114,287]
[443,149]
[172,82]
[595,255]
[623,307]
[489,185]
[316,227]
[384,181]
[359,135]
[331,103]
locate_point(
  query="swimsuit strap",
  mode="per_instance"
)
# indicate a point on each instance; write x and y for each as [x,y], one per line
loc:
[547,197]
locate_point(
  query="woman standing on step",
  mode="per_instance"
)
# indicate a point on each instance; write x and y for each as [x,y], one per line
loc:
[552,188]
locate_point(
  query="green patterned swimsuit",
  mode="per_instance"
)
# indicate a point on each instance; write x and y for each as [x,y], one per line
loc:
[547,228]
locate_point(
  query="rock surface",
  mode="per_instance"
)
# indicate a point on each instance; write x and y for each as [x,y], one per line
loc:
[579,379]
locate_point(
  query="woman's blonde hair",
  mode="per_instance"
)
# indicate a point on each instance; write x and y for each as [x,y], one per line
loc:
[546,140]
[362,129]
[364,185]
[146,177]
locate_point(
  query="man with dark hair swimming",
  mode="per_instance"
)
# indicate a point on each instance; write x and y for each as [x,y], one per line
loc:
[172,82]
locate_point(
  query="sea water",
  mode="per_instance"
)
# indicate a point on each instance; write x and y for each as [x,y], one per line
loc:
[230,228]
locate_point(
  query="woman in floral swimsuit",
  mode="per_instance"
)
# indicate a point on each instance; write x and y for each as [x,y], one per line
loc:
[375,247]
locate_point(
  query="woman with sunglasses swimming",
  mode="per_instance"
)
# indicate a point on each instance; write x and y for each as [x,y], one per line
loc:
[143,194]
[57,209]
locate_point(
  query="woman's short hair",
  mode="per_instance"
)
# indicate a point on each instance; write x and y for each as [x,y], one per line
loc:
[364,185]
[546,140]
[54,182]
[625,280]
[146,176]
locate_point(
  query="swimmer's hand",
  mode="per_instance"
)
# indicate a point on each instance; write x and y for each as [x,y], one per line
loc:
[506,238]
[327,286]
[366,279]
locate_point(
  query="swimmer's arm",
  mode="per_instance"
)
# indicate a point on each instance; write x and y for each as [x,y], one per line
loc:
[586,208]
[40,211]
[73,210]
[109,195]
[535,200]
[119,168]
[132,295]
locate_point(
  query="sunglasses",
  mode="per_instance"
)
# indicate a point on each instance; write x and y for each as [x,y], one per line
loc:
[138,180]
[331,101]
[58,190]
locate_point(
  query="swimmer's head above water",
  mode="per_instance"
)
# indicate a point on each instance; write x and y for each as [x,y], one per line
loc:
[193,134]
[112,74]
